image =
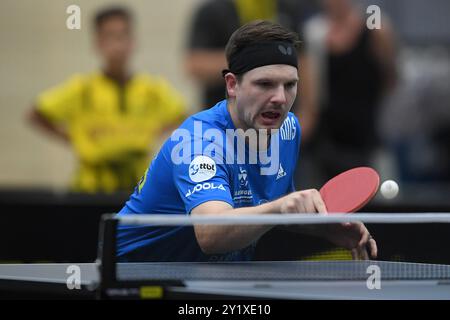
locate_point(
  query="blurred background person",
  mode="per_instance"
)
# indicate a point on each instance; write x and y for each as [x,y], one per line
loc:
[112,117]
[213,23]
[346,70]
[415,120]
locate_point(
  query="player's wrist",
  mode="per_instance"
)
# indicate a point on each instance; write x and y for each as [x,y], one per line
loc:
[276,205]
[270,207]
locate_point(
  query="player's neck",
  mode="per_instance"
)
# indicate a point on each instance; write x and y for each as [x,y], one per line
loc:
[262,144]
[231,107]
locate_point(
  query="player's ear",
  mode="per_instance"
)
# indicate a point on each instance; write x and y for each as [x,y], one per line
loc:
[231,83]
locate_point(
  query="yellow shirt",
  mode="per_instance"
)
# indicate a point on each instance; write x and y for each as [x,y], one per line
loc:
[113,129]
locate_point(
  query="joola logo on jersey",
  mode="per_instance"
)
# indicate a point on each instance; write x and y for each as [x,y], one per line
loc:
[202,168]
[204,186]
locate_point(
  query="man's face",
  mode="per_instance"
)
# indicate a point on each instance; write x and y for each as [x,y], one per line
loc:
[114,41]
[265,95]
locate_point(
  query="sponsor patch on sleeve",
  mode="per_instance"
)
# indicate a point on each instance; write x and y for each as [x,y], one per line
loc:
[202,168]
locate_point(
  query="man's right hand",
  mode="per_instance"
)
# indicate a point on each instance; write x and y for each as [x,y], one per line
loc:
[305,201]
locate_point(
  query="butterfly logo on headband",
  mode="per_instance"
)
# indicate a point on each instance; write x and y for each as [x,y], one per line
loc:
[285,51]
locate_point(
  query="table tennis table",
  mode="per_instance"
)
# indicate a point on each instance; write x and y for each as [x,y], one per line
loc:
[111,279]
[241,280]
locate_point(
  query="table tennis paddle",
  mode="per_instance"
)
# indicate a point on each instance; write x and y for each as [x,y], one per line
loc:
[351,190]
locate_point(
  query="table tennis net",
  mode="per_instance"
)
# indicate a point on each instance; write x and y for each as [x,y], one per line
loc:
[282,271]
[316,263]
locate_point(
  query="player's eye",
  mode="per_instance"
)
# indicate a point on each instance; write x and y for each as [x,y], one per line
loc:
[290,85]
[264,84]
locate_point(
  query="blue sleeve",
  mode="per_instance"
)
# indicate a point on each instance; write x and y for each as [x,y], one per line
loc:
[203,179]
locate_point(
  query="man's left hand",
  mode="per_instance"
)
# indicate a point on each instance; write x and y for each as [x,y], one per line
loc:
[355,237]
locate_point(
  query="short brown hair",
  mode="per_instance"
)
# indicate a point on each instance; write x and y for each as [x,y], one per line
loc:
[112,12]
[258,31]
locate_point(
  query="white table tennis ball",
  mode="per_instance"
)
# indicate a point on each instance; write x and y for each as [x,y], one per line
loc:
[389,189]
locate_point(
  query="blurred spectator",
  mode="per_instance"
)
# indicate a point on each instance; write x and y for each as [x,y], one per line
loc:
[344,74]
[215,21]
[415,122]
[112,118]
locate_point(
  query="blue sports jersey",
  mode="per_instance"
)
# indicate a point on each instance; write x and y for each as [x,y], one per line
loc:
[199,164]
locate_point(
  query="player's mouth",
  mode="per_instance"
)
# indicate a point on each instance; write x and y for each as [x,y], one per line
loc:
[270,117]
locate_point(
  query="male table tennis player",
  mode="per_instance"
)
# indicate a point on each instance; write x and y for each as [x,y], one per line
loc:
[261,85]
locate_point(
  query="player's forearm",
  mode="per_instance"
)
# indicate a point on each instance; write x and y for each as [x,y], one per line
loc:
[217,239]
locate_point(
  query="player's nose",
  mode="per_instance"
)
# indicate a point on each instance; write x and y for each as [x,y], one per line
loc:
[279,96]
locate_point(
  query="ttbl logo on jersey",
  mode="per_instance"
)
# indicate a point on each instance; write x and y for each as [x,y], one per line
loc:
[202,168]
